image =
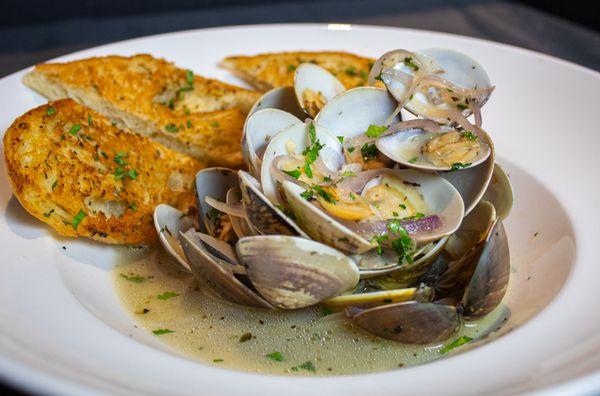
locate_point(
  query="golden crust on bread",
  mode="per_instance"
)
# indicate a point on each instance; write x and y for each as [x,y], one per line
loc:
[267,71]
[72,169]
[150,96]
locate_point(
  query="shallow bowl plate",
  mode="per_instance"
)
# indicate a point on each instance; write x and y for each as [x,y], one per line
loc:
[64,332]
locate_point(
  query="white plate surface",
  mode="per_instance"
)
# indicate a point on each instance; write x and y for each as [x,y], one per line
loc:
[63,331]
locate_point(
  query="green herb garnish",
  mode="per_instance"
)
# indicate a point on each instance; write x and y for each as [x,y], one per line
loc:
[132,173]
[408,61]
[277,356]
[171,128]
[459,165]
[462,106]
[455,344]
[341,139]
[54,184]
[351,71]
[308,366]
[77,219]
[49,213]
[291,68]
[162,331]
[218,360]
[374,131]
[74,129]
[119,158]
[246,337]
[413,160]
[51,111]
[189,77]
[166,295]
[379,241]
[324,194]
[293,173]
[214,124]
[188,123]
[133,278]
[369,152]
[469,135]
[348,174]
[133,206]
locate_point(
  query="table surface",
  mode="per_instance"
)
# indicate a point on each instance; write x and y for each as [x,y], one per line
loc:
[502,21]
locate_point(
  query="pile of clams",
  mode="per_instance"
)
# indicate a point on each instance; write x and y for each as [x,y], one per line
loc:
[383,201]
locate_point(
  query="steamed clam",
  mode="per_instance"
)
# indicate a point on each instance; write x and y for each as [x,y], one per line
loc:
[357,209]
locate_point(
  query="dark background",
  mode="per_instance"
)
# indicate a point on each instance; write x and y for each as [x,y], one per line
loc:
[36,30]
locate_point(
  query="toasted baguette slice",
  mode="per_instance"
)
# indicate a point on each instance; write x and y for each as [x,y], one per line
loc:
[153,97]
[267,71]
[73,170]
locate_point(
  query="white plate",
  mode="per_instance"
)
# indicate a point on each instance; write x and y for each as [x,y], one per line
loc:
[63,331]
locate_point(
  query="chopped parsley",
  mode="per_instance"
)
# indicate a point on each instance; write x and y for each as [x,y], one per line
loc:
[413,160]
[308,366]
[459,165]
[379,241]
[352,196]
[74,129]
[369,152]
[51,111]
[408,61]
[171,128]
[162,331]
[395,214]
[348,174]
[166,295]
[246,337]
[133,278]
[188,123]
[189,77]
[455,344]
[119,158]
[277,356]
[291,68]
[311,153]
[402,206]
[462,106]
[341,139]
[351,149]
[77,219]
[351,71]
[132,173]
[49,213]
[374,131]
[54,184]
[214,124]
[133,206]
[327,311]
[218,360]
[90,122]
[324,194]
[469,135]
[293,173]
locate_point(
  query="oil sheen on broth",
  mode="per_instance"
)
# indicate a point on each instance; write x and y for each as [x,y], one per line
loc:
[196,323]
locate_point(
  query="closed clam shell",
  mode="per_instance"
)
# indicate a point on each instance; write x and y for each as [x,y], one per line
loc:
[261,214]
[351,113]
[489,282]
[410,322]
[168,221]
[291,272]
[218,273]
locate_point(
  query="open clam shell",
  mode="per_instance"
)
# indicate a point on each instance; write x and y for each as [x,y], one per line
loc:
[294,272]
[351,112]
[372,264]
[410,322]
[472,182]
[219,274]
[407,148]
[168,222]
[500,192]
[291,141]
[281,98]
[314,86]
[240,225]
[322,227]
[214,183]
[261,214]
[259,129]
